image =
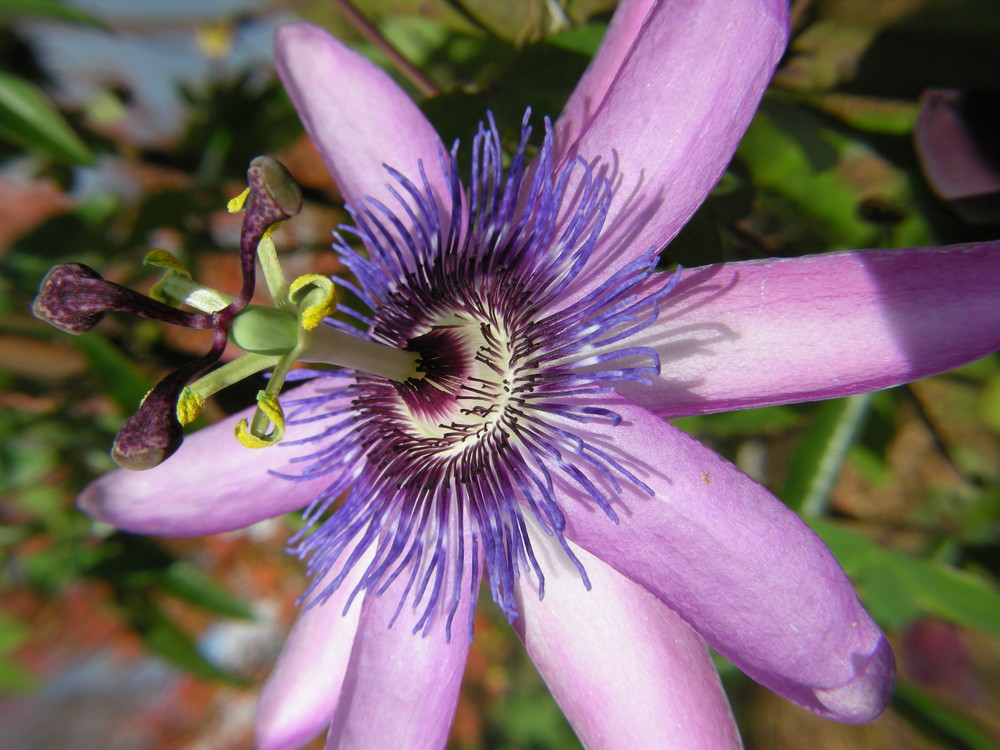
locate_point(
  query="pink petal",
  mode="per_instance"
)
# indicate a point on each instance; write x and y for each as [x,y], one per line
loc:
[952,160]
[781,331]
[299,698]
[627,672]
[673,117]
[738,565]
[211,484]
[589,92]
[401,688]
[357,116]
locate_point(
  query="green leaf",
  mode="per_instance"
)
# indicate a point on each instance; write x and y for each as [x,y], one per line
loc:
[949,728]
[29,119]
[165,638]
[456,114]
[119,378]
[13,677]
[805,172]
[16,679]
[950,594]
[913,586]
[48,9]
[990,403]
[820,453]
[742,422]
[12,632]
[187,583]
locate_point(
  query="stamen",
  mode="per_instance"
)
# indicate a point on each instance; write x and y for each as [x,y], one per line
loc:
[74,298]
[316,298]
[257,436]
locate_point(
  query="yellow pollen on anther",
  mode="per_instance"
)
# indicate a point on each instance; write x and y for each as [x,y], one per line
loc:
[319,302]
[268,404]
[189,406]
[236,204]
[160,258]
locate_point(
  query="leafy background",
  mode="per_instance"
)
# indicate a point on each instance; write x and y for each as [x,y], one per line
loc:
[126,125]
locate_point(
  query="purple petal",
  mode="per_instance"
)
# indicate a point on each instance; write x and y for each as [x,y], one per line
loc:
[738,565]
[781,331]
[593,85]
[211,484]
[627,672]
[401,688]
[357,116]
[299,698]
[674,114]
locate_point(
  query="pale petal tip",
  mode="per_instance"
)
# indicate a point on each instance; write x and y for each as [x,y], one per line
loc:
[289,32]
[282,733]
[291,708]
[93,501]
[865,697]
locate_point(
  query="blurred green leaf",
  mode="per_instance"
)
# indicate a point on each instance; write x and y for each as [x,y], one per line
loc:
[820,452]
[230,121]
[29,119]
[129,561]
[939,722]
[980,370]
[519,86]
[16,679]
[938,43]
[13,677]
[930,588]
[186,582]
[120,379]
[767,419]
[12,632]
[48,9]
[869,113]
[700,242]
[990,403]
[164,637]
[816,180]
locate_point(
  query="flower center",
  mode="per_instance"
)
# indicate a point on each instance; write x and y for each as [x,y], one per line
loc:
[468,379]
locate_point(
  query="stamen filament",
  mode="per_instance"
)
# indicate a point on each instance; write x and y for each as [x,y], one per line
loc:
[233,372]
[183,291]
[274,276]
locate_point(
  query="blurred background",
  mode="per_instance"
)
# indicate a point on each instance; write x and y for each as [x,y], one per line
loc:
[126,125]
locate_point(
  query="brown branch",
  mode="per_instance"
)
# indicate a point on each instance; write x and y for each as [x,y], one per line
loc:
[414,75]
